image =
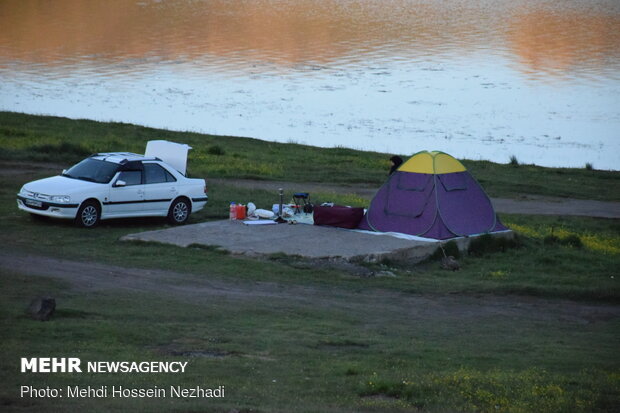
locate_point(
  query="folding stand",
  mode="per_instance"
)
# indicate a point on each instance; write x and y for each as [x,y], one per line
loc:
[302,202]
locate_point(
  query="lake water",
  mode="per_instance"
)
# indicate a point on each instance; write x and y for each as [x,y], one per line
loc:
[484,79]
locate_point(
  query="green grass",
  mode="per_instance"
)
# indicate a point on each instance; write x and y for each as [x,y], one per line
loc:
[278,355]
[498,390]
[65,141]
[343,343]
[536,268]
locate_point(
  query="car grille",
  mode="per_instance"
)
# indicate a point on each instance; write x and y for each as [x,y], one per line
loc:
[36,195]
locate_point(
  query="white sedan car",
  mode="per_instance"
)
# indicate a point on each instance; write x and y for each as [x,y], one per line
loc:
[117,185]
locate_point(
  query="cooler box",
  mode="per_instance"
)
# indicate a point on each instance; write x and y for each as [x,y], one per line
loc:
[338,216]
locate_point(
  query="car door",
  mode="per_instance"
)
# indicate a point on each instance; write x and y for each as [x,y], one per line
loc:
[160,188]
[127,199]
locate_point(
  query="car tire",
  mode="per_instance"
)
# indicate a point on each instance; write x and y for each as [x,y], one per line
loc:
[88,215]
[179,211]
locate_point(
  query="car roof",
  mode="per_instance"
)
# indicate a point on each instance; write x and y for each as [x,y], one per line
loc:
[122,157]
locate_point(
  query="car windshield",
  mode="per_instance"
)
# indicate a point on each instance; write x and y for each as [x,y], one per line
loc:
[93,170]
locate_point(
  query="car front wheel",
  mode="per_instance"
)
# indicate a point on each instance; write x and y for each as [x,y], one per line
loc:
[88,215]
[179,211]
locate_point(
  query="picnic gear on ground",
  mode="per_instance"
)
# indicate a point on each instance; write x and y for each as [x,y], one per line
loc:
[302,203]
[261,222]
[280,211]
[240,211]
[287,210]
[338,216]
[263,213]
[431,195]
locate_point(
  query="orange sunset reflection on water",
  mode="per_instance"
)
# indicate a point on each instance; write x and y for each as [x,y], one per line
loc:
[559,43]
[485,79]
[547,41]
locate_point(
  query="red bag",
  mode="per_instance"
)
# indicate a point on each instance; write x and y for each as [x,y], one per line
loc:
[338,216]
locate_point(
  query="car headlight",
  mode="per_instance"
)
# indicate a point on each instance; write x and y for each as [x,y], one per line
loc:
[61,199]
[25,192]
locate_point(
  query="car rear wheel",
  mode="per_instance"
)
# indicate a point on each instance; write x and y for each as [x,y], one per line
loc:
[88,215]
[179,211]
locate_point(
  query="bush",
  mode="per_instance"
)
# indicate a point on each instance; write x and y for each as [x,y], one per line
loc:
[450,248]
[572,240]
[514,161]
[589,166]
[569,240]
[487,244]
[551,240]
[215,150]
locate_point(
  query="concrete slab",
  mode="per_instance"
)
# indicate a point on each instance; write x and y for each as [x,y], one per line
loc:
[309,241]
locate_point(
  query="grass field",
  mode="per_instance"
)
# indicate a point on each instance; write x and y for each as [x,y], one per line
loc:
[532,328]
[44,138]
[571,272]
[278,355]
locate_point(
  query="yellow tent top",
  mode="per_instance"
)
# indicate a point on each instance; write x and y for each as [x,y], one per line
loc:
[434,162]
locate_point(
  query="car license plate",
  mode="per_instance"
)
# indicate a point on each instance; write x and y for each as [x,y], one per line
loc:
[34,203]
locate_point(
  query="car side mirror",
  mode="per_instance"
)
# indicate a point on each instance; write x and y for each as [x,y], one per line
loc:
[119,183]
[64,171]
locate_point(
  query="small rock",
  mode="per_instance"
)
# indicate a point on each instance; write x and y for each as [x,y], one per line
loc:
[450,263]
[42,308]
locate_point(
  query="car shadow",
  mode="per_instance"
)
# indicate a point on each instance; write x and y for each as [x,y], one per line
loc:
[115,223]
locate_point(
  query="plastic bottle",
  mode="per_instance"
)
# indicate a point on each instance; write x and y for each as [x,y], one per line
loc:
[233,211]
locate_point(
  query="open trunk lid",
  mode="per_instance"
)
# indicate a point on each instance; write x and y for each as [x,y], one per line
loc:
[174,154]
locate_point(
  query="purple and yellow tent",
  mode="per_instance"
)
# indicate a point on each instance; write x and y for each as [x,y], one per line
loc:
[433,196]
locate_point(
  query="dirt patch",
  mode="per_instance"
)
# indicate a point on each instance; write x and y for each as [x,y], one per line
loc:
[341,265]
[91,276]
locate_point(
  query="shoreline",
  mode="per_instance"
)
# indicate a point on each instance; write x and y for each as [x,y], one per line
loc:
[508,156]
[64,141]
